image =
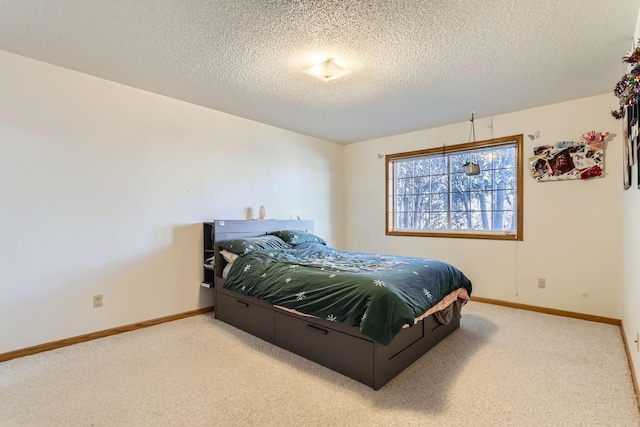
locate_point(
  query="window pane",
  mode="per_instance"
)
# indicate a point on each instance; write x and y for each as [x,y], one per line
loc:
[485,159]
[503,203]
[476,220]
[399,204]
[458,160]
[438,221]
[439,183]
[401,187]
[458,202]
[510,179]
[422,222]
[404,169]
[459,182]
[509,221]
[422,203]
[461,220]
[438,165]
[421,167]
[409,186]
[432,191]
[504,179]
[439,202]
[482,181]
[422,185]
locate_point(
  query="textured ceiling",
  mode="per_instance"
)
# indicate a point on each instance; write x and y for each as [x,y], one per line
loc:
[416,63]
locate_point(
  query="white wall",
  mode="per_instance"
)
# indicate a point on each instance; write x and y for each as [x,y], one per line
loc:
[103,189]
[631,264]
[572,229]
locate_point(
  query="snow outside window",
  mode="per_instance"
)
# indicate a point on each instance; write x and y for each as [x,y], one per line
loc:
[429,193]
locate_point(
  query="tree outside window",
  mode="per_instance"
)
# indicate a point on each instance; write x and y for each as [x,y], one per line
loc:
[429,194]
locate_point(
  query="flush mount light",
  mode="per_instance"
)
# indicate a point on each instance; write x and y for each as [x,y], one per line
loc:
[327,70]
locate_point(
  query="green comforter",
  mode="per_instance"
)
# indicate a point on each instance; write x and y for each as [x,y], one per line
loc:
[377,293]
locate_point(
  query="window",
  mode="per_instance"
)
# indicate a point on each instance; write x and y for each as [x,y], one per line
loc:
[429,194]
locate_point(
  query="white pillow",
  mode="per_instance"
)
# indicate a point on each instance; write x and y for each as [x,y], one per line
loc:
[229,256]
[225,271]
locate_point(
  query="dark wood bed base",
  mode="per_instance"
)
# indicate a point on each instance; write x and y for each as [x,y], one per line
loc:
[336,346]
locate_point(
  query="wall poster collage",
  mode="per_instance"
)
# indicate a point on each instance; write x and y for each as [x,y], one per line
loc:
[570,160]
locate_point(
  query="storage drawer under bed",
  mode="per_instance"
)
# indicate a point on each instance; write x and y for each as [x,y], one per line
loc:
[249,317]
[346,354]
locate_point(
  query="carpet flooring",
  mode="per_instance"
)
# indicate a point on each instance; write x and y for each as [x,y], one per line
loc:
[503,367]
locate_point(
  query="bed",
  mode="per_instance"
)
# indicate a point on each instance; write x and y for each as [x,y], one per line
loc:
[354,317]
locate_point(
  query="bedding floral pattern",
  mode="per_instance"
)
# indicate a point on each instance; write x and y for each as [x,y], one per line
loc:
[377,293]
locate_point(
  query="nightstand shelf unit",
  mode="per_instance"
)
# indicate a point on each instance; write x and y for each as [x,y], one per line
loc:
[208,235]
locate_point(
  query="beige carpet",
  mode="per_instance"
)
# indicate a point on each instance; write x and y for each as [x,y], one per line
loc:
[503,367]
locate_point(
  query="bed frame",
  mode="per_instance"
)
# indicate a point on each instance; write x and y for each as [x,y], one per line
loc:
[336,346]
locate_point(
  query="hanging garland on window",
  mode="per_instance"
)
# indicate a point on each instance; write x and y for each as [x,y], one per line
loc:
[627,90]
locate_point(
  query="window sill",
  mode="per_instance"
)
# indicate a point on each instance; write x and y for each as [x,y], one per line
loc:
[486,235]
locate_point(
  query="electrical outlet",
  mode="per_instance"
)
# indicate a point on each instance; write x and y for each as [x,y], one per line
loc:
[97,301]
[542,283]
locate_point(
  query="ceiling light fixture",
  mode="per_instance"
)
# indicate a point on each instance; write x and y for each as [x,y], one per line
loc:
[327,70]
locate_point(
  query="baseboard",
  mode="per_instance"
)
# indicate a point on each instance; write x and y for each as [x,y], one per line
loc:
[633,372]
[553,311]
[99,334]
